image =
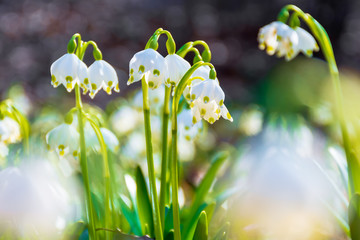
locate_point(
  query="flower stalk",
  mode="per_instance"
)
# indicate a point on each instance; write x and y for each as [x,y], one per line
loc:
[150,161]
[325,45]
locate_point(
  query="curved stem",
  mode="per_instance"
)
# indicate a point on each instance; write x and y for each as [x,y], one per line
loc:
[325,44]
[108,197]
[165,127]
[150,162]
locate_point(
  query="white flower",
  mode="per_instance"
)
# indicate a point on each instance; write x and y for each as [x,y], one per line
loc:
[69,70]
[279,38]
[125,120]
[156,99]
[176,67]
[33,200]
[209,101]
[187,129]
[92,142]
[9,131]
[307,43]
[149,64]
[64,138]
[201,74]
[102,75]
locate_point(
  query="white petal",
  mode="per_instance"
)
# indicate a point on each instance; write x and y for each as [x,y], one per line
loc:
[65,71]
[176,68]
[307,43]
[225,113]
[146,61]
[64,135]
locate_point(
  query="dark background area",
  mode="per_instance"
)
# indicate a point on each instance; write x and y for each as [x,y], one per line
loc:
[33,34]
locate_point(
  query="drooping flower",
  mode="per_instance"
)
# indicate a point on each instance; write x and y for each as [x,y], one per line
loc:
[199,74]
[9,130]
[64,139]
[92,142]
[187,129]
[177,67]
[102,75]
[277,37]
[149,64]
[307,43]
[69,70]
[208,101]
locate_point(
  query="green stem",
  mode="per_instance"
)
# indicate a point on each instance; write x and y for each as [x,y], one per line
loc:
[165,125]
[150,162]
[174,171]
[83,158]
[325,44]
[106,174]
[84,165]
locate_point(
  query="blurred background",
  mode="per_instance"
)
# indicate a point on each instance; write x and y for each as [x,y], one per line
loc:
[283,126]
[35,33]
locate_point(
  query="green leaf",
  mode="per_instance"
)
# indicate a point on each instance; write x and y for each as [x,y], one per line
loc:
[169,224]
[118,235]
[354,217]
[201,231]
[201,193]
[143,204]
[130,216]
[208,179]
[74,230]
[169,235]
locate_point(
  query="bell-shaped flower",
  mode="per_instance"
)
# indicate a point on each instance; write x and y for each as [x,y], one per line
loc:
[69,70]
[277,37]
[9,130]
[208,99]
[150,65]
[176,67]
[64,139]
[209,111]
[187,129]
[307,43]
[102,75]
[199,75]
[92,142]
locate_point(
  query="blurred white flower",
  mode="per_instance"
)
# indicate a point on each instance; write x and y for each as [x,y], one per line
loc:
[33,202]
[92,142]
[176,68]
[156,99]
[69,70]
[125,119]
[307,43]
[149,64]
[187,130]
[285,186]
[277,37]
[102,75]
[9,130]
[63,139]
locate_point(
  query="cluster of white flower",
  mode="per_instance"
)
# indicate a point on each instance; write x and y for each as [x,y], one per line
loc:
[64,139]
[69,70]
[277,37]
[204,94]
